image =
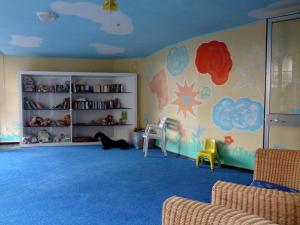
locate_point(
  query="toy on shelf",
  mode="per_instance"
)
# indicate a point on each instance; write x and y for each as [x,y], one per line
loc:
[30,86]
[54,88]
[61,138]
[123,118]
[44,136]
[65,122]
[107,121]
[36,121]
[30,139]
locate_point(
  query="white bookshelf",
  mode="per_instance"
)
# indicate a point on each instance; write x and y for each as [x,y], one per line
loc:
[54,95]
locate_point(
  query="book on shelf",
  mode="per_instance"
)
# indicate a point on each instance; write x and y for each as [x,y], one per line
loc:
[85,104]
[31,105]
[104,88]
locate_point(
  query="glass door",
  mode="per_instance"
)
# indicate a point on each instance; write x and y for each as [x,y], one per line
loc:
[282,124]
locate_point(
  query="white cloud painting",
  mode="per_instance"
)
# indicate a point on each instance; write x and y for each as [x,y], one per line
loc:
[116,23]
[276,9]
[105,49]
[25,41]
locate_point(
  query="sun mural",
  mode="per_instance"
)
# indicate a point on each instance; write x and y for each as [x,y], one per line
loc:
[186,98]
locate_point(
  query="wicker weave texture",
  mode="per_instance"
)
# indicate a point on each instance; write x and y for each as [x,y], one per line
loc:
[277,206]
[181,211]
[278,166]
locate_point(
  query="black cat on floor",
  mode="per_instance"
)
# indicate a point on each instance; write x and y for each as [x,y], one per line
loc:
[109,143]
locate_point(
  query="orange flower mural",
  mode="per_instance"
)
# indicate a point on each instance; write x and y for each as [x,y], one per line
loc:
[186,98]
[159,87]
[228,139]
[214,58]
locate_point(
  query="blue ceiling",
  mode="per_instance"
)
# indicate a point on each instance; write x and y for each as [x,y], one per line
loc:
[140,28]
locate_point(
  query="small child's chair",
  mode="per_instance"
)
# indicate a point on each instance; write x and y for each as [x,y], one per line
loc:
[209,152]
[154,131]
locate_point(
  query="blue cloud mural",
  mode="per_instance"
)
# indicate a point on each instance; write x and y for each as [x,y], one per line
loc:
[177,60]
[295,111]
[244,114]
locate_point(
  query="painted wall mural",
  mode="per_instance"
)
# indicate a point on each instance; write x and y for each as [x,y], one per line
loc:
[295,111]
[228,139]
[11,134]
[186,98]
[177,60]
[214,58]
[231,113]
[159,87]
[244,114]
[205,91]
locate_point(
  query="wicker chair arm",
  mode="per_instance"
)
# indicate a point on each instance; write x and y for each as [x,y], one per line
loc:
[277,206]
[278,166]
[181,211]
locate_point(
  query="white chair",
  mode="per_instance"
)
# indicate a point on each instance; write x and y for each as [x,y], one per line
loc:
[154,131]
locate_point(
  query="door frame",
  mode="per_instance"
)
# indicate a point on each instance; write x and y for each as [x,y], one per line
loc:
[275,119]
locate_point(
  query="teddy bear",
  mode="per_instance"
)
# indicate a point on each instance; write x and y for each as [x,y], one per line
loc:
[34,121]
[59,138]
[44,136]
[45,122]
[109,120]
[67,119]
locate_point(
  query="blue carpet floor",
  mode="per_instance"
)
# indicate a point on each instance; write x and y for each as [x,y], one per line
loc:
[85,185]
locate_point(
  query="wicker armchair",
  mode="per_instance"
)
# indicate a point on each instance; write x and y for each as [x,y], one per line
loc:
[181,211]
[276,166]
[248,205]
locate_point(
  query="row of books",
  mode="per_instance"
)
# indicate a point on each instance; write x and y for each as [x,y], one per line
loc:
[84,104]
[106,88]
[30,105]
[28,84]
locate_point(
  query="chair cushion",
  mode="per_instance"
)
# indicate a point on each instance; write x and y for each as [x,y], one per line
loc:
[267,185]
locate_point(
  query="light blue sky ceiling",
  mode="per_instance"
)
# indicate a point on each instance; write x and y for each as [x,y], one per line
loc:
[140,28]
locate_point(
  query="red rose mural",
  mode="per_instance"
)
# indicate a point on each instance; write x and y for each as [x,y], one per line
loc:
[214,58]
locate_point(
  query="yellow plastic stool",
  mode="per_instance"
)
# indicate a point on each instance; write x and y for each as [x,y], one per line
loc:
[209,152]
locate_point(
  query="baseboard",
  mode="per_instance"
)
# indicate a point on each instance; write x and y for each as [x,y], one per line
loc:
[223,165]
[9,143]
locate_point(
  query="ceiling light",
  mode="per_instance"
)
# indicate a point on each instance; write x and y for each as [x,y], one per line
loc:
[110,5]
[47,16]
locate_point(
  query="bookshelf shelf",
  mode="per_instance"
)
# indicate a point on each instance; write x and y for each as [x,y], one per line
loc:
[62,97]
[98,125]
[45,126]
[100,109]
[49,92]
[46,109]
[102,93]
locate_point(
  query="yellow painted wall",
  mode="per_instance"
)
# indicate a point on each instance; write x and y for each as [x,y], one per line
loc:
[11,66]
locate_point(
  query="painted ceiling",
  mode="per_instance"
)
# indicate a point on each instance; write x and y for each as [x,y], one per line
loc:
[138,29]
